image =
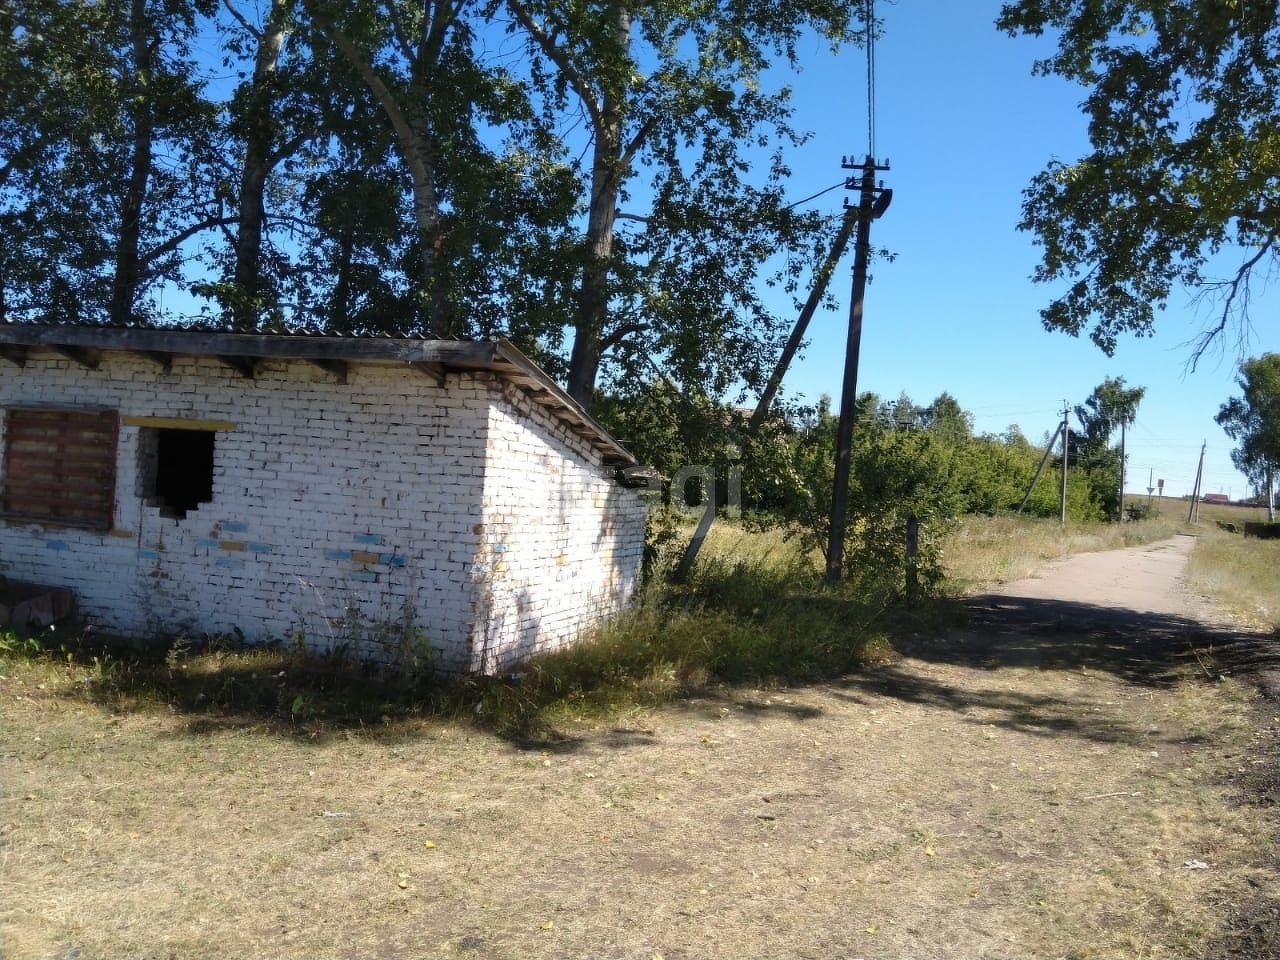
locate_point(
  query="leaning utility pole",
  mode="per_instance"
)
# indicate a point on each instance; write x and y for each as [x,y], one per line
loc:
[1193,515]
[1048,452]
[820,281]
[873,201]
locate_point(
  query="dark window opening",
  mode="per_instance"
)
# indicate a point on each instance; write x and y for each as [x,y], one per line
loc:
[178,469]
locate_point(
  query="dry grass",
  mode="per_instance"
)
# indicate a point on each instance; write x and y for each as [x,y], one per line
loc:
[936,805]
[988,550]
[1239,573]
[935,811]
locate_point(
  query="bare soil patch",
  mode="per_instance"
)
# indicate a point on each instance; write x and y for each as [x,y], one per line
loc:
[1072,774]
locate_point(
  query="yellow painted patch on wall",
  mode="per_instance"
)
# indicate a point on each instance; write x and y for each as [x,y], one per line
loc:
[176,423]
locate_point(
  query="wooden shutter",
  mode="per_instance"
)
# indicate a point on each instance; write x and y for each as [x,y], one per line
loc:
[60,467]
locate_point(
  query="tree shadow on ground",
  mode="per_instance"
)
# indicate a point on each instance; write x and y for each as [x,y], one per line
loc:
[280,692]
[1138,649]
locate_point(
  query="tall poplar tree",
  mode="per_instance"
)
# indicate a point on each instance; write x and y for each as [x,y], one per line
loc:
[676,91]
[106,143]
[1253,421]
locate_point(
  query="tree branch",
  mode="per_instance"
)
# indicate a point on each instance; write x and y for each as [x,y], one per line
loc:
[396,116]
[1237,287]
[249,28]
[177,240]
[617,336]
[400,35]
[636,142]
[557,56]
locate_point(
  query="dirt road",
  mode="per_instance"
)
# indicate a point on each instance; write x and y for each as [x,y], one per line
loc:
[1150,579]
[1130,611]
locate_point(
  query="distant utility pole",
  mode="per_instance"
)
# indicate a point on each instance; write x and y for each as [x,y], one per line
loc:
[1066,443]
[873,201]
[1194,515]
[1123,421]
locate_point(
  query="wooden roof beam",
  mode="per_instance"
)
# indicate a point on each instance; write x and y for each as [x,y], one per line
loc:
[14,354]
[339,368]
[163,360]
[247,367]
[435,371]
[85,356]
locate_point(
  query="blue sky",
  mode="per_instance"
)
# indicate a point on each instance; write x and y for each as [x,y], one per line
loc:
[965,126]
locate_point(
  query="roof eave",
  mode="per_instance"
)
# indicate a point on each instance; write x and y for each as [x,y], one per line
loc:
[498,356]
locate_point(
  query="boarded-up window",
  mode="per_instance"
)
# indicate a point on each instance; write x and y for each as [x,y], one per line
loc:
[60,467]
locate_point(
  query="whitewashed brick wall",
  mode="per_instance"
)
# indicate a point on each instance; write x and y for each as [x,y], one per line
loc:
[561,546]
[465,508]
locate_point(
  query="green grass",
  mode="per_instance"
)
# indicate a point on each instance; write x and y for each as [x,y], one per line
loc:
[754,612]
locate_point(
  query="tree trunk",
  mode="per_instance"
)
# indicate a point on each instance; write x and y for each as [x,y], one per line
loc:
[418,149]
[426,213]
[340,300]
[607,170]
[258,164]
[124,284]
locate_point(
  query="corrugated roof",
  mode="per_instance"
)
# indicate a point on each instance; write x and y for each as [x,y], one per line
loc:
[334,352]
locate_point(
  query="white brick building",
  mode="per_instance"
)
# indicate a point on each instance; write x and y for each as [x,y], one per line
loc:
[368,492]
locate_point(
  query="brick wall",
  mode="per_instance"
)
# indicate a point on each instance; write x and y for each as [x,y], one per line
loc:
[560,547]
[339,511]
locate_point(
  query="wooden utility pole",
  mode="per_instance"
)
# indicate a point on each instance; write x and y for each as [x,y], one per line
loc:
[820,281]
[873,200]
[1066,439]
[1193,515]
[1048,452]
[1122,426]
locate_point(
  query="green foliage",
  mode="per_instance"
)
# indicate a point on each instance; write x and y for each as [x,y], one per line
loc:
[895,475]
[1253,419]
[1110,407]
[104,140]
[13,645]
[390,167]
[667,428]
[672,95]
[1182,101]
[1105,410]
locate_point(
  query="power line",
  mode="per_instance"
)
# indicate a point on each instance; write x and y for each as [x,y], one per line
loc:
[871,77]
[834,186]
